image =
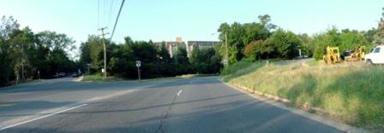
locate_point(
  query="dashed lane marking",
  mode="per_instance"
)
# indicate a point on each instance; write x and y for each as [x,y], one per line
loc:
[179,92]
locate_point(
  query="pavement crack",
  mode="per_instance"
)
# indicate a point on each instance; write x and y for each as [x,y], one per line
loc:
[166,115]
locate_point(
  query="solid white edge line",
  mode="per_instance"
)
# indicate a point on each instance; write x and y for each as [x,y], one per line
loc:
[94,99]
[42,117]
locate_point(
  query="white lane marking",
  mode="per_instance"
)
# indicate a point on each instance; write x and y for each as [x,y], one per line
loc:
[23,120]
[179,92]
[42,117]
[117,94]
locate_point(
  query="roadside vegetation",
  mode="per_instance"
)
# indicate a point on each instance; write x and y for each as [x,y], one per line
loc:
[265,58]
[156,60]
[350,92]
[26,55]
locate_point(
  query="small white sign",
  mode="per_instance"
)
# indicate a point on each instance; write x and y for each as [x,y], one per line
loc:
[225,62]
[102,70]
[138,63]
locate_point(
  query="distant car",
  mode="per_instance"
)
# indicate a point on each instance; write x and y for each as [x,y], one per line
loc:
[59,75]
[75,75]
[376,56]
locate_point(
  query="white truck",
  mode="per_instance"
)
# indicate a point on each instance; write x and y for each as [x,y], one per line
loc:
[376,56]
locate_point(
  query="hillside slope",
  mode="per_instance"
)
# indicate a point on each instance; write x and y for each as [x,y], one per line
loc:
[350,92]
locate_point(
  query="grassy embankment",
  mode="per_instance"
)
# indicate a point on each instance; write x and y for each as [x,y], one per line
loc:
[349,92]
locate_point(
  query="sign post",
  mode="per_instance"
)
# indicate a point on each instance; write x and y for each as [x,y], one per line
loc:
[138,65]
[38,74]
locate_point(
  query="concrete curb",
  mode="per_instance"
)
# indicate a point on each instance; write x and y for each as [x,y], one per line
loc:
[282,103]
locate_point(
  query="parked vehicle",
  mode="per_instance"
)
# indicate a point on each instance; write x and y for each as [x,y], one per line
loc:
[60,75]
[376,56]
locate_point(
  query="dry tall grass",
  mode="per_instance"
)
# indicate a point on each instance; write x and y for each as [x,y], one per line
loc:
[350,92]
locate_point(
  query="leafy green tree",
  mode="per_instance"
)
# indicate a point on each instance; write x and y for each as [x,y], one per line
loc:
[123,61]
[286,43]
[52,53]
[7,26]
[307,46]
[25,55]
[205,61]
[346,40]
[92,53]
[265,20]
[370,35]
[21,44]
[379,36]
[321,41]
[164,62]
[350,40]
[5,68]
[260,50]
[255,31]
[181,61]
[240,35]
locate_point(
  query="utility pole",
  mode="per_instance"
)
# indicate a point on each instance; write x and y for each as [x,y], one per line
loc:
[38,74]
[105,50]
[22,63]
[226,62]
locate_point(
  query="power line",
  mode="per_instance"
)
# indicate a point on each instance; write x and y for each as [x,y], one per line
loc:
[117,19]
[98,13]
[110,11]
[110,39]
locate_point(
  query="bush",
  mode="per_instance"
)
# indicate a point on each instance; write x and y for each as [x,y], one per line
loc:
[205,61]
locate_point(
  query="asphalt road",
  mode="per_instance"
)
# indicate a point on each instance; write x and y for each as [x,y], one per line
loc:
[194,105]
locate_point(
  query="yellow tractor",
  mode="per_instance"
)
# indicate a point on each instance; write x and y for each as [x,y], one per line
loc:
[332,55]
[355,55]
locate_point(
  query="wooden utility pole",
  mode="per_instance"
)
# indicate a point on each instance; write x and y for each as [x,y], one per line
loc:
[226,62]
[105,49]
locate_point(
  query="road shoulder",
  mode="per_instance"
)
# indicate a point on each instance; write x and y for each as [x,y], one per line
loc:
[282,103]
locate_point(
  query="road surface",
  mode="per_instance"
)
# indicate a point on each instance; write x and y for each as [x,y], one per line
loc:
[195,105]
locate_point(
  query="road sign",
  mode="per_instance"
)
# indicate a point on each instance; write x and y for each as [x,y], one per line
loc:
[225,62]
[138,63]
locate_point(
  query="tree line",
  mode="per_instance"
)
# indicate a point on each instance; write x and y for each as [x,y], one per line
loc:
[155,58]
[264,40]
[26,55]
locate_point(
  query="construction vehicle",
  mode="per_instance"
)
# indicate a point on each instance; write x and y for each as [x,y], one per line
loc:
[355,55]
[332,55]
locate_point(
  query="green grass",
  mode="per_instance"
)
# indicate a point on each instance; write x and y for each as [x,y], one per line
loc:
[241,68]
[350,92]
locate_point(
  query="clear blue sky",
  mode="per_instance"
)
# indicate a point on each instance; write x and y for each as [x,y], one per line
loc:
[193,19]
